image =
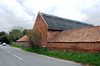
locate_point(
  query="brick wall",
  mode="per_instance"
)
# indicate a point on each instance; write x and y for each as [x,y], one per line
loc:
[51,33]
[22,44]
[76,47]
[41,25]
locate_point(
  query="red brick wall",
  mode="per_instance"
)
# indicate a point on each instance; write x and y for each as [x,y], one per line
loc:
[51,33]
[42,27]
[76,47]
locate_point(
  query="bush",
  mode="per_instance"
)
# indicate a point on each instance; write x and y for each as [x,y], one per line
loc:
[34,38]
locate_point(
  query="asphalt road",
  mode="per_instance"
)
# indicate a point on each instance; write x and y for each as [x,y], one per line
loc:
[10,56]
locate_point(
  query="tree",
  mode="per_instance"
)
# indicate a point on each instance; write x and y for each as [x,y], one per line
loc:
[34,38]
[4,39]
[14,35]
[25,31]
[2,33]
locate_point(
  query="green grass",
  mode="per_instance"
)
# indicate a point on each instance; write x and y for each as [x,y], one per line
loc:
[84,58]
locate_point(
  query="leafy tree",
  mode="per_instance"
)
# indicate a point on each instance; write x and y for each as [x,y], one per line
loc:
[14,35]
[34,38]
[25,31]
[4,39]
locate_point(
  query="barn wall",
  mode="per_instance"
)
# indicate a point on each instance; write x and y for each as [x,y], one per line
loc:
[51,33]
[41,25]
[76,47]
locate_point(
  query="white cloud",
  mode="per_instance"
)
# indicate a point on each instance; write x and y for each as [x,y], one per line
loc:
[24,10]
[10,13]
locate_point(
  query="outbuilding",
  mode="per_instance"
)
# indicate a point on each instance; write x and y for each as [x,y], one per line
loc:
[78,40]
[22,41]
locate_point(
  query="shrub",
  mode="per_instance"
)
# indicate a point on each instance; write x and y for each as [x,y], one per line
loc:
[34,38]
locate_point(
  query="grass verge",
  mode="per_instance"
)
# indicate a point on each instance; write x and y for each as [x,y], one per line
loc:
[84,58]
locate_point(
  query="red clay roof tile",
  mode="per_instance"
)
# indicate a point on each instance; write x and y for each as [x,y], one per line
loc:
[24,38]
[88,34]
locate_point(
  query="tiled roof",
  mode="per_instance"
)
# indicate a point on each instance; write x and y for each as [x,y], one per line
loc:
[58,23]
[88,34]
[24,38]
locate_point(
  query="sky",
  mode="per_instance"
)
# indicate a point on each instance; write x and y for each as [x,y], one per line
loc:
[22,13]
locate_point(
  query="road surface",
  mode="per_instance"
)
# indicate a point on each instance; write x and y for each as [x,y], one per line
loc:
[10,56]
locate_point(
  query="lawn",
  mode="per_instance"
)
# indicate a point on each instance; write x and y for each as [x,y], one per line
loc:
[84,58]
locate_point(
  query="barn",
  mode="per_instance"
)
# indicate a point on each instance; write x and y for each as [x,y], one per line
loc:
[67,35]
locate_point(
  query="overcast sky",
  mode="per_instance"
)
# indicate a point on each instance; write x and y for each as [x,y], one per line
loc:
[22,13]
